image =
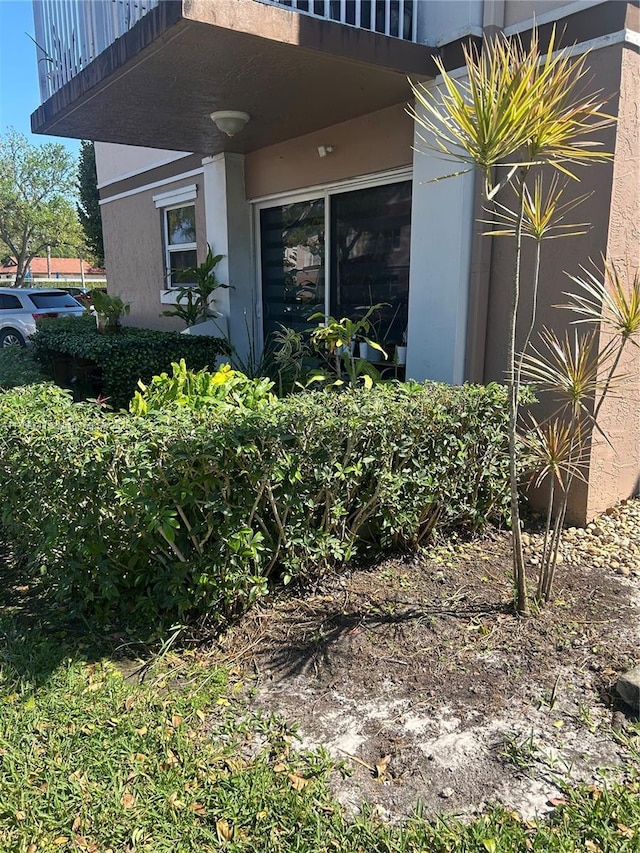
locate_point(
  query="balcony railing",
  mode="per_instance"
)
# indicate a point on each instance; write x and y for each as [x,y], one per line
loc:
[69,34]
[395,18]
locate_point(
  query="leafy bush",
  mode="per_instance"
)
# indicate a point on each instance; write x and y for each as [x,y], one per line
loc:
[122,360]
[196,390]
[194,511]
[17,367]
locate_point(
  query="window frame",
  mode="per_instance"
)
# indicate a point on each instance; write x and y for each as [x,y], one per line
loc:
[174,199]
[171,248]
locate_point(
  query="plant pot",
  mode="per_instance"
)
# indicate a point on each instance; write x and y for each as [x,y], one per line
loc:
[107,325]
[401,355]
[365,351]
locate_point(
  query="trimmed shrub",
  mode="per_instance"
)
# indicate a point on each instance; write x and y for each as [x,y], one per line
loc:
[18,367]
[195,511]
[114,364]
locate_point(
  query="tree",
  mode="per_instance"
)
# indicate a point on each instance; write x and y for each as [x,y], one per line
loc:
[36,199]
[517,112]
[89,206]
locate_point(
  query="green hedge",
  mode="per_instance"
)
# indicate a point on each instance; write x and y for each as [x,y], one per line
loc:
[17,367]
[176,514]
[113,364]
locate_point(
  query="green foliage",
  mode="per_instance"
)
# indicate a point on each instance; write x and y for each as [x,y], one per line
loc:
[122,360]
[89,206]
[109,310]
[36,203]
[18,367]
[334,342]
[195,511]
[194,300]
[226,388]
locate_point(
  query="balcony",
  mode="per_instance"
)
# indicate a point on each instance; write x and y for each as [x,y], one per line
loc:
[72,34]
[143,72]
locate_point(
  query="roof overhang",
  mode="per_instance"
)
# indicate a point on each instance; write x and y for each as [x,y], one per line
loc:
[293,73]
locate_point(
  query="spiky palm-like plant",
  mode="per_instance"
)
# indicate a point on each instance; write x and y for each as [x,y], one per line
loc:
[581,376]
[516,110]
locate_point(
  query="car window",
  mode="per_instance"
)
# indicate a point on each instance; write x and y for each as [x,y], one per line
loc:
[8,301]
[54,300]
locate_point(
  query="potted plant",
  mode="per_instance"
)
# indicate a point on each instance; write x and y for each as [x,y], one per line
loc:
[109,310]
[193,301]
[401,350]
[335,340]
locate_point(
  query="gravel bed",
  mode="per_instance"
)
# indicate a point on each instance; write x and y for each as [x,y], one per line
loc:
[612,540]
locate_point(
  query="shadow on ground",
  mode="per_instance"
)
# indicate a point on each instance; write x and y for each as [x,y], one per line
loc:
[37,634]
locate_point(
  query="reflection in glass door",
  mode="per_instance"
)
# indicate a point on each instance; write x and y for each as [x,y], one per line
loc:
[292,248]
[371,238]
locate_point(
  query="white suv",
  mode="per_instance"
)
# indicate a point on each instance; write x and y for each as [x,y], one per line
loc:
[20,307]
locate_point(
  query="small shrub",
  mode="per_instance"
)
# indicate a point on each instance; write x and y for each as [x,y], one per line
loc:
[122,360]
[195,510]
[196,390]
[18,367]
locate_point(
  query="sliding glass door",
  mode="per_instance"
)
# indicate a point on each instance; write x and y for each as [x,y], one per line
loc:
[293,263]
[361,237]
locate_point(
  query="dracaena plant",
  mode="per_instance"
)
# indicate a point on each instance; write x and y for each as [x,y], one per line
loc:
[516,111]
[580,374]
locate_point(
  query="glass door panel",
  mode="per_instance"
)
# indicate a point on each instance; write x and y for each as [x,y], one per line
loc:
[371,237]
[292,249]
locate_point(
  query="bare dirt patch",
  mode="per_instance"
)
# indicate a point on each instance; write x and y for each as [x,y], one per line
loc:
[417,673]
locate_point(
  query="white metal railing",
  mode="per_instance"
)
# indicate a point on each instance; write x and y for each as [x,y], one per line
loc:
[397,18]
[69,34]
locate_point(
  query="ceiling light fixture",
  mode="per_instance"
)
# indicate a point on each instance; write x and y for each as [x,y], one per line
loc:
[230,121]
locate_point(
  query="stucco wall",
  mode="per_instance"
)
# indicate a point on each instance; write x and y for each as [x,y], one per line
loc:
[442,21]
[518,11]
[134,251]
[372,143]
[113,162]
[615,470]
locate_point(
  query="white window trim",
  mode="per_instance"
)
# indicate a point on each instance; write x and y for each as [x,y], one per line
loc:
[173,247]
[325,191]
[177,197]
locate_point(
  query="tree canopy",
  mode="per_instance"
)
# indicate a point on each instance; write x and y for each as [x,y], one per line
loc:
[37,193]
[89,205]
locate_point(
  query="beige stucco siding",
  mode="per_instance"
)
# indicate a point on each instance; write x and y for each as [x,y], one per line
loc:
[372,143]
[615,468]
[135,257]
[519,11]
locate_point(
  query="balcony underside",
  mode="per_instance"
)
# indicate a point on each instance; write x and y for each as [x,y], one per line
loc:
[292,73]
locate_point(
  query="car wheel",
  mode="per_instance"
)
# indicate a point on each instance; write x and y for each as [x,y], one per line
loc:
[11,338]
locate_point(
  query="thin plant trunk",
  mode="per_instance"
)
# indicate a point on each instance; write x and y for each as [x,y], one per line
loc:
[534,310]
[513,384]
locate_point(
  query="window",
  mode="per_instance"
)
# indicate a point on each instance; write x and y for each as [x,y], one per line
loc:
[8,302]
[181,245]
[53,300]
[367,258]
[179,232]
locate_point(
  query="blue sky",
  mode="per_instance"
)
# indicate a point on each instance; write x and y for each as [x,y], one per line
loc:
[19,92]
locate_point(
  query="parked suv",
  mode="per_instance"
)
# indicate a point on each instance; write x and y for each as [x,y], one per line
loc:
[20,308]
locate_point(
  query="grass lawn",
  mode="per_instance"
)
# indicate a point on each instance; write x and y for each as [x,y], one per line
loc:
[94,760]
